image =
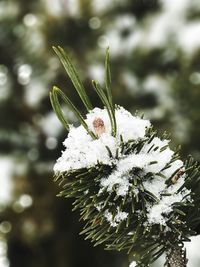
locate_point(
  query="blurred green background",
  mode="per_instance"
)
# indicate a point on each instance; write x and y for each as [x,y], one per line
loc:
[155,63]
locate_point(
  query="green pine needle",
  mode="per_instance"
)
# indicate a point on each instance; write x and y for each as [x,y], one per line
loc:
[57,109]
[106,103]
[73,75]
[108,78]
[55,103]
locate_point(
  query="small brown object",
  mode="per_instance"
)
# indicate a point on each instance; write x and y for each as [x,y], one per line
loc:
[177,175]
[99,126]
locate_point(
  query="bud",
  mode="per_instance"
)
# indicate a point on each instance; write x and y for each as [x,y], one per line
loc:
[99,126]
[177,175]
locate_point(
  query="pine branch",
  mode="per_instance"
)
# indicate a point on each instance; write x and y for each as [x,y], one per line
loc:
[116,194]
[176,257]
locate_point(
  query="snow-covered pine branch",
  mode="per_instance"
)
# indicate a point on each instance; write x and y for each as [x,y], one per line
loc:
[133,191]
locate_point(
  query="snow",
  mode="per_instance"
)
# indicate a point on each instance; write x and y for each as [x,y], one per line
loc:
[129,126]
[188,37]
[133,264]
[59,8]
[118,43]
[49,124]
[113,218]
[156,213]
[34,93]
[156,186]
[81,151]
[116,178]
[6,180]
[159,87]
[99,6]
[177,6]
[121,177]
[116,219]
[192,249]
[96,72]
[131,82]
[164,207]
[158,30]
[5,84]
[162,158]
[4,262]
[99,205]
[175,166]
[172,24]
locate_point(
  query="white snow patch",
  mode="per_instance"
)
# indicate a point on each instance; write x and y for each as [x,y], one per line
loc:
[155,186]
[164,207]
[50,124]
[99,206]
[6,180]
[162,158]
[120,177]
[174,167]
[82,151]
[192,249]
[96,72]
[133,264]
[119,43]
[116,219]
[188,37]
[129,126]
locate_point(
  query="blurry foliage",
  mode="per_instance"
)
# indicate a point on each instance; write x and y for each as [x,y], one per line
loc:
[155,49]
